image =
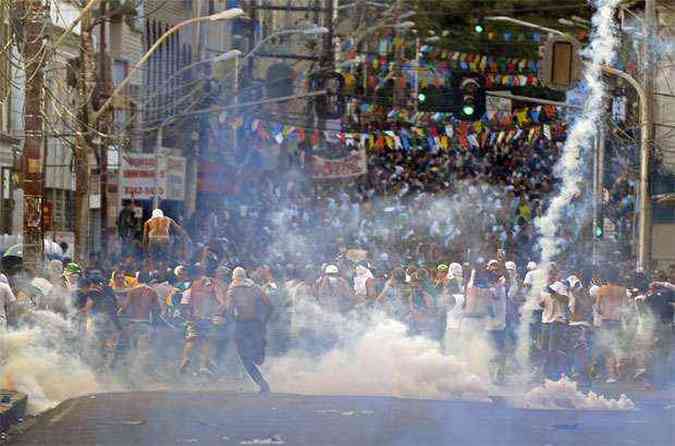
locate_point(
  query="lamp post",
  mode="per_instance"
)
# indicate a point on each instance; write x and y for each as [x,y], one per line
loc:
[646,126]
[315,30]
[228,14]
[160,131]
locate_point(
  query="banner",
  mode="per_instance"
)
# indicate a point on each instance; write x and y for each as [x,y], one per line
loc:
[138,172]
[354,165]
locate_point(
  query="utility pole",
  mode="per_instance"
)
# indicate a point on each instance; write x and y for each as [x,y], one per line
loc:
[399,50]
[192,167]
[648,82]
[86,83]
[105,124]
[104,90]
[34,14]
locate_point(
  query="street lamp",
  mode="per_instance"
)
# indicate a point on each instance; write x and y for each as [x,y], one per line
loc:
[314,30]
[228,14]
[646,123]
[369,3]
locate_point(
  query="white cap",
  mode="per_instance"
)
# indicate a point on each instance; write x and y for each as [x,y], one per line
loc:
[157,213]
[510,266]
[239,273]
[331,269]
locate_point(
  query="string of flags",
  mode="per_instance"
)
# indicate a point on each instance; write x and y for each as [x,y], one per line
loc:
[388,43]
[431,132]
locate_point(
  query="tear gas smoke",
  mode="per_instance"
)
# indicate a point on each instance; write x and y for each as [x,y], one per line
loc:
[39,361]
[376,357]
[564,394]
[578,147]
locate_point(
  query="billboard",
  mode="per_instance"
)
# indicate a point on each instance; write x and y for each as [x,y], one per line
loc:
[138,171]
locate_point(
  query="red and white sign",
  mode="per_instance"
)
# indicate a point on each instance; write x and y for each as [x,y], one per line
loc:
[353,165]
[138,172]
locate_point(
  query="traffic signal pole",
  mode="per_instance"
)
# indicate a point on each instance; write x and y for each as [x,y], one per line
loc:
[647,108]
[645,95]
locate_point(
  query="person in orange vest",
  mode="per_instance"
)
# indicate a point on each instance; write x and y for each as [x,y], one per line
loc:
[157,234]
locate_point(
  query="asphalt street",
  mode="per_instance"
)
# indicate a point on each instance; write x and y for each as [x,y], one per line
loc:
[218,418]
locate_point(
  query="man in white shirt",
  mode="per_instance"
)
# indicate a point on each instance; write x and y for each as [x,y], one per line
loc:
[6,299]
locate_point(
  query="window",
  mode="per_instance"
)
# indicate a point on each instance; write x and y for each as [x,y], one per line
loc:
[120,69]
[63,202]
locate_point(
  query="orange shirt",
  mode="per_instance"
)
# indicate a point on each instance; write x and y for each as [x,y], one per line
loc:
[158,227]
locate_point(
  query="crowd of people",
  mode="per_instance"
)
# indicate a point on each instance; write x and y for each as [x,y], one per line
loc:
[186,306]
[441,242]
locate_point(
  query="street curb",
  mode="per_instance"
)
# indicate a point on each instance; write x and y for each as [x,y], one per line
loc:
[12,408]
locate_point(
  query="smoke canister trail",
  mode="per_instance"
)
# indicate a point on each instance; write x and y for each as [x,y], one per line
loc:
[577,148]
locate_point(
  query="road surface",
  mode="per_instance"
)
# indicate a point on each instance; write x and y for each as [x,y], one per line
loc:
[218,418]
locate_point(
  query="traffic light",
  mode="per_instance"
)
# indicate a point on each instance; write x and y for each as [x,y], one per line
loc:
[332,104]
[561,64]
[471,95]
[432,98]
[599,231]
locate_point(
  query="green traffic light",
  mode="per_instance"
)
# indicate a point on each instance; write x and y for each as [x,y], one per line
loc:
[422,97]
[479,28]
[468,110]
[598,231]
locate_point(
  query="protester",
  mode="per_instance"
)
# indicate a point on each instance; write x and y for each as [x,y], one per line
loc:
[333,292]
[140,309]
[6,299]
[610,302]
[103,326]
[157,240]
[205,305]
[554,302]
[251,310]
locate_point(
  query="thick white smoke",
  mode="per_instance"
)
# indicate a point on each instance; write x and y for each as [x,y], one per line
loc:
[375,356]
[565,395]
[577,149]
[41,362]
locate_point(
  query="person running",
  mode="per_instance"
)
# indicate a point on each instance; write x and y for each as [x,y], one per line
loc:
[251,310]
[103,326]
[141,309]
[610,301]
[580,329]
[205,304]
[660,301]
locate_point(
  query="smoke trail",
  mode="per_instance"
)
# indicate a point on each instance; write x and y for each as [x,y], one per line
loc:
[579,143]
